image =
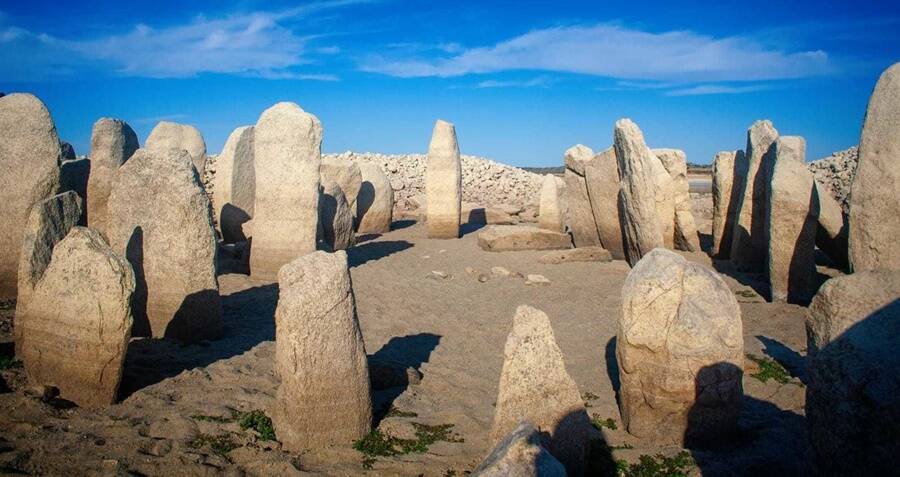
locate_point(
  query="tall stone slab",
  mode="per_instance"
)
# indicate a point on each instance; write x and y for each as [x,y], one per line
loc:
[234,189]
[727,170]
[375,201]
[443,182]
[29,173]
[160,219]
[552,206]
[73,176]
[335,217]
[603,182]
[831,235]
[169,135]
[535,386]
[685,234]
[112,143]
[580,215]
[345,174]
[324,397]
[287,150]
[80,351]
[748,241]
[875,192]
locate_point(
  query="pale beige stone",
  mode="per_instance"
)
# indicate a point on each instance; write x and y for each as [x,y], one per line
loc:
[602,177]
[520,454]
[748,241]
[169,135]
[335,217]
[74,176]
[580,215]
[504,238]
[81,350]
[552,206]
[679,350]
[287,148]
[29,173]
[324,397]
[475,214]
[375,201]
[675,163]
[831,234]
[234,185]
[725,187]
[160,219]
[535,386]
[112,143]
[580,254]
[443,182]
[875,192]
[346,174]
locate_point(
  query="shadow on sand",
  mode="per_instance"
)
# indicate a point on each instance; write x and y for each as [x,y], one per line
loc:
[392,367]
[370,251]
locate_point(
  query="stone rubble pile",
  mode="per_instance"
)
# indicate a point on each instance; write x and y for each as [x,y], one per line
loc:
[836,173]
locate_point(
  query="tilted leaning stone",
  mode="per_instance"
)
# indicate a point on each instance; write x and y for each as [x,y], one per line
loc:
[74,176]
[725,187]
[160,219]
[335,217]
[325,396]
[287,147]
[748,240]
[552,208]
[443,182]
[602,178]
[680,351]
[875,193]
[112,143]
[580,216]
[535,386]
[520,454]
[831,234]
[169,135]
[76,328]
[504,238]
[375,201]
[345,174]
[234,190]
[675,163]
[29,173]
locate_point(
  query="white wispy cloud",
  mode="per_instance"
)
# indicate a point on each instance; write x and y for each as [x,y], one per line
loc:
[707,89]
[539,81]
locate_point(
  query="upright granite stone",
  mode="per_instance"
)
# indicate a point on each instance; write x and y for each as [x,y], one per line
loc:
[875,192]
[853,392]
[49,222]
[345,174]
[112,143]
[67,152]
[335,217]
[675,163]
[552,206]
[726,184]
[324,397]
[443,182]
[287,149]
[161,221]
[680,352]
[580,215]
[520,454]
[169,135]
[375,201]
[602,178]
[831,234]
[234,189]
[29,173]
[792,212]
[77,327]
[748,241]
[534,386]
[73,176]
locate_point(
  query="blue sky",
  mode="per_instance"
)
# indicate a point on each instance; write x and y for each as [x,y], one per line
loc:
[522,80]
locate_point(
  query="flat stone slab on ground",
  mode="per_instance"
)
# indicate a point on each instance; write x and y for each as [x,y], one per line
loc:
[505,238]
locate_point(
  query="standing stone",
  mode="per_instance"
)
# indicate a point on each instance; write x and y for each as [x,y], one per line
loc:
[748,241]
[346,174]
[81,350]
[66,151]
[726,185]
[792,213]
[552,208]
[49,222]
[335,217]
[29,173]
[853,392]
[602,177]
[160,220]
[375,201]
[325,396]
[112,143]
[73,176]
[535,386]
[287,148]
[675,163]
[831,234]
[875,193]
[679,350]
[234,185]
[520,454]
[443,182]
[169,135]
[580,217]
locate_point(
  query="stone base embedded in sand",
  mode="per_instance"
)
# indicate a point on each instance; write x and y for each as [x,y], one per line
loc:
[506,238]
[583,254]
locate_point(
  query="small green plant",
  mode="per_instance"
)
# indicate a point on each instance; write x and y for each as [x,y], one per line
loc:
[599,423]
[8,362]
[221,444]
[657,466]
[745,294]
[394,412]
[623,446]
[7,305]
[769,369]
[377,444]
[259,422]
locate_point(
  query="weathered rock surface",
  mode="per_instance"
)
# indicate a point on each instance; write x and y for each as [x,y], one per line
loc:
[580,216]
[853,393]
[602,177]
[73,176]
[234,190]
[160,220]
[67,151]
[375,201]
[675,163]
[335,217]
[112,143]
[553,204]
[580,254]
[679,350]
[836,173]
[287,147]
[81,350]
[727,167]
[345,174]
[520,454]
[748,241]
[875,194]
[534,386]
[29,173]
[792,214]
[169,135]
[443,182]
[831,234]
[325,396]
[504,238]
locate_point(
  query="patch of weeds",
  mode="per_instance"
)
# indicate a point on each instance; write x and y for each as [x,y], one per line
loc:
[769,369]
[587,397]
[623,446]
[376,444]
[219,419]
[745,294]
[657,466]
[220,444]
[259,422]
[394,412]
[599,423]
[8,362]
[7,305]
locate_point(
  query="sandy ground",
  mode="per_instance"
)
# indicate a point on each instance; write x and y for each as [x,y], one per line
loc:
[452,330]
